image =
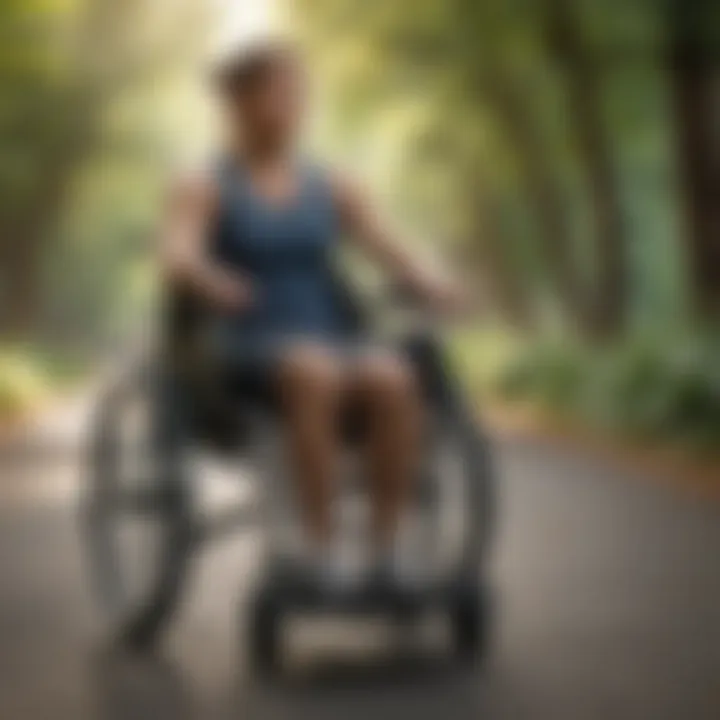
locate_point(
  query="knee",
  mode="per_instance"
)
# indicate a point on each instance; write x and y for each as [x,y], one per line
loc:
[310,376]
[390,382]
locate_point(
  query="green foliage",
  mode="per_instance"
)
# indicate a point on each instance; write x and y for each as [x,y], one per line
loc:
[661,389]
[30,374]
[538,136]
[482,358]
[492,153]
[460,112]
[82,125]
[553,378]
[23,383]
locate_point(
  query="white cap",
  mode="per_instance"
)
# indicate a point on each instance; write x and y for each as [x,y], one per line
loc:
[243,27]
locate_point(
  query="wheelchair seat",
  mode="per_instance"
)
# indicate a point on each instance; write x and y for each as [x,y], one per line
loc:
[226,394]
[245,393]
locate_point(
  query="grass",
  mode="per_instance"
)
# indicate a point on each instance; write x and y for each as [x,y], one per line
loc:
[29,376]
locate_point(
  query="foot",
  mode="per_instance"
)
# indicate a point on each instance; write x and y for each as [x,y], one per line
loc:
[393,569]
[336,575]
[330,570]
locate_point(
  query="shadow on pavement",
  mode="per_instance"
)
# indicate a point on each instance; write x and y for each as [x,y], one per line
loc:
[129,686]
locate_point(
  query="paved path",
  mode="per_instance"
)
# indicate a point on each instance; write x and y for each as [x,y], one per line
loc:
[609,592]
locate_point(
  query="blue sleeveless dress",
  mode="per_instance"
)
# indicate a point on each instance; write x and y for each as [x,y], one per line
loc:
[285,250]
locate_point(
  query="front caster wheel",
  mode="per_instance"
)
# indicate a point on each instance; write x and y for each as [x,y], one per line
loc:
[470,623]
[265,635]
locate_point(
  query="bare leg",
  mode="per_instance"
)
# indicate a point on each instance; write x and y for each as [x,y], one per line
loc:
[386,387]
[310,384]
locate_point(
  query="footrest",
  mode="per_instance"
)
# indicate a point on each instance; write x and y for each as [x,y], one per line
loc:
[297,590]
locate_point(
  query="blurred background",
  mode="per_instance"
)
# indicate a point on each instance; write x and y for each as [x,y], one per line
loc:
[564,153]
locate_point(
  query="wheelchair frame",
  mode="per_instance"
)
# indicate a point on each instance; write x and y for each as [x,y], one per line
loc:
[185,532]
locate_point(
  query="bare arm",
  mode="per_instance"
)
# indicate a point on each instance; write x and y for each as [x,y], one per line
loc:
[187,223]
[365,227]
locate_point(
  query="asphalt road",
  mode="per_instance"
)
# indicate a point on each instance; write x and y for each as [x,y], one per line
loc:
[608,594]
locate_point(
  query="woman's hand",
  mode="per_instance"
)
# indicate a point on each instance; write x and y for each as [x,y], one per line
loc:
[191,211]
[447,298]
[227,291]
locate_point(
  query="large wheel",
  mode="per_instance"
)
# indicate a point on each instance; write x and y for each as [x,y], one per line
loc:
[458,483]
[474,450]
[137,522]
[470,618]
[457,498]
[265,633]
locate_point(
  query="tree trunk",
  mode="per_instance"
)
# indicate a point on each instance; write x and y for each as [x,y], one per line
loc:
[545,199]
[74,115]
[18,305]
[695,76]
[24,244]
[502,285]
[610,295]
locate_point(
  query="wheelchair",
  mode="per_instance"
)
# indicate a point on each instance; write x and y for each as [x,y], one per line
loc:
[141,525]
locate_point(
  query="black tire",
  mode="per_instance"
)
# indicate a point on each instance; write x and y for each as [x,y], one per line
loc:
[458,424]
[265,635]
[476,451]
[460,495]
[134,621]
[470,617]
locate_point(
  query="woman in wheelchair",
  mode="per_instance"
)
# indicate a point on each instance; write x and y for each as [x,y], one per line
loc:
[253,239]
